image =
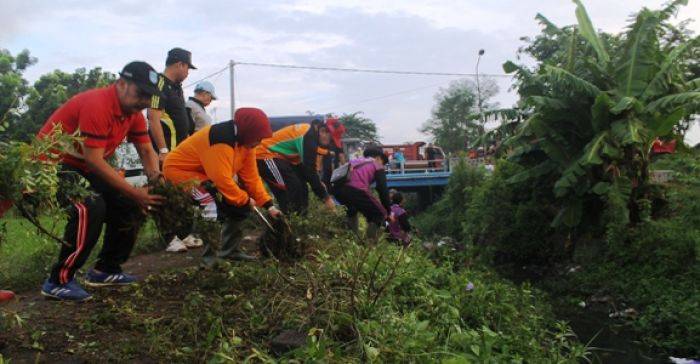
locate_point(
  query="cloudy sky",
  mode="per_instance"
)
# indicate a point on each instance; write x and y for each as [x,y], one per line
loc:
[428,35]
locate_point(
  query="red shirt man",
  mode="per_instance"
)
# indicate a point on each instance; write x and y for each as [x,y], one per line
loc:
[97,116]
[102,118]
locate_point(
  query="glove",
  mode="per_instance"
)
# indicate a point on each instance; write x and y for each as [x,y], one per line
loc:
[227,210]
[274,212]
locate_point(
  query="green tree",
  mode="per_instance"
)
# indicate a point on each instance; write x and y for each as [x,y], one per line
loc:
[360,127]
[49,92]
[455,123]
[13,87]
[597,103]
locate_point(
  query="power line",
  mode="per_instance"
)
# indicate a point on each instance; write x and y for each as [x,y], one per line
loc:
[382,97]
[367,70]
[357,70]
[345,69]
[205,77]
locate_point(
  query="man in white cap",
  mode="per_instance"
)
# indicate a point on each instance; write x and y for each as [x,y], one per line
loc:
[203,96]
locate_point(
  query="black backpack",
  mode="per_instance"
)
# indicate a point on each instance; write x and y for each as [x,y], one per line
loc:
[342,174]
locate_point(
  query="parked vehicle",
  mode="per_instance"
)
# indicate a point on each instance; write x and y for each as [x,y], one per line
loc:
[415,156]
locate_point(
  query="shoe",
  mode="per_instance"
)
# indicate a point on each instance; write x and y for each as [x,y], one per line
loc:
[241,256]
[70,291]
[6,295]
[176,246]
[99,279]
[192,242]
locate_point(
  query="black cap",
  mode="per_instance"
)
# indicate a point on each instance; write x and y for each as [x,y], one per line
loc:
[143,75]
[179,55]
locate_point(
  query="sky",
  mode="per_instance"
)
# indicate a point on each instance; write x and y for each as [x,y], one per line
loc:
[408,35]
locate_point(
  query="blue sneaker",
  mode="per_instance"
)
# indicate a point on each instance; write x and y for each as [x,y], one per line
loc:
[98,279]
[70,291]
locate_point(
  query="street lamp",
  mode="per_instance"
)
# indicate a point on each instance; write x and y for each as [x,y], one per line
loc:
[478,95]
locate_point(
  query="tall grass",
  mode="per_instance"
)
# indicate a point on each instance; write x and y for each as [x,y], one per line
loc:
[26,255]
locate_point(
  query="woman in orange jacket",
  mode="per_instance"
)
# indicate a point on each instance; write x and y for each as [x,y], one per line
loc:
[211,157]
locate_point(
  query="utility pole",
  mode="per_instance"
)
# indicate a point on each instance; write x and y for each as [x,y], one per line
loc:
[479,103]
[231,65]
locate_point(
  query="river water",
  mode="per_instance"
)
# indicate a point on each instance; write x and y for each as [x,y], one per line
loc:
[611,340]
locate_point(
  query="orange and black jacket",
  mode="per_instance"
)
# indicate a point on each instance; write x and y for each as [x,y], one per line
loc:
[212,154]
[297,144]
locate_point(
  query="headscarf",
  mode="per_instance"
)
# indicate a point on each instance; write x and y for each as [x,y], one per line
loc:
[253,125]
[337,130]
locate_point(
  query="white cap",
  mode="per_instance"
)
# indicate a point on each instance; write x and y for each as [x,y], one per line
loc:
[206,86]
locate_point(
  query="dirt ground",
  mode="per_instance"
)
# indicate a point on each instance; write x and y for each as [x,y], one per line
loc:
[41,330]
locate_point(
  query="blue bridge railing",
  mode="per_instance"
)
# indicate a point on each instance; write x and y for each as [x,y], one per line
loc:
[425,173]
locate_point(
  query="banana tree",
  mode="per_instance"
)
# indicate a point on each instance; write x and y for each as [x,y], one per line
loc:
[596,111]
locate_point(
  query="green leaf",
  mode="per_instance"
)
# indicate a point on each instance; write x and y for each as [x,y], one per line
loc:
[546,102]
[569,215]
[555,151]
[672,8]
[549,27]
[693,85]
[600,112]
[572,216]
[628,131]
[624,104]
[534,172]
[688,100]
[589,33]
[568,179]
[659,85]
[372,352]
[422,325]
[592,151]
[611,151]
[601,188]
[566,80]
[498,115]
[510,67]
[641,50]
[664,125]
[475,349]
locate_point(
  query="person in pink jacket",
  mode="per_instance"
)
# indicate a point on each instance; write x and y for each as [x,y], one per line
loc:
[355,194]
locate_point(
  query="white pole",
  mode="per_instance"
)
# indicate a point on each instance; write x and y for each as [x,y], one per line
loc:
[478,94]
[231,65]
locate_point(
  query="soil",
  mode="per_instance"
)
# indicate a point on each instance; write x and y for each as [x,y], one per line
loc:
[53,332]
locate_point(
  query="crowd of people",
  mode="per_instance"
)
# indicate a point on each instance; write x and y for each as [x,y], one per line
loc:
[224,166]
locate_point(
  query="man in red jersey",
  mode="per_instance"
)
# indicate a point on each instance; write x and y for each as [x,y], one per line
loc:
[103,118]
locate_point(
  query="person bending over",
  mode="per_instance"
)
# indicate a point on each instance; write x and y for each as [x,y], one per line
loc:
[355,193]
[211,158]
[287,161]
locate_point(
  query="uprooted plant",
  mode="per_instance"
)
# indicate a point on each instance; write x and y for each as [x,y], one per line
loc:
[29,177]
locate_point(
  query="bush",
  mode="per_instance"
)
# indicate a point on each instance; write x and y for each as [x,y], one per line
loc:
[508,222]
[653,266]
[445,217]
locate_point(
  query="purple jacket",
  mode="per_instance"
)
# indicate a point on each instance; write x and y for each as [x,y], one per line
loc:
[365,172]
[398,224]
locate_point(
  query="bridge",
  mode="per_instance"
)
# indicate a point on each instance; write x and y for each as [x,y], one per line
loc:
[426,178]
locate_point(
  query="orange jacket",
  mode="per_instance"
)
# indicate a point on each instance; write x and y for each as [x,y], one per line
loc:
[217,159]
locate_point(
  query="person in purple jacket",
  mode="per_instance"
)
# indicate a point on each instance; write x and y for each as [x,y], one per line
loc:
[355,194]
[399,227]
